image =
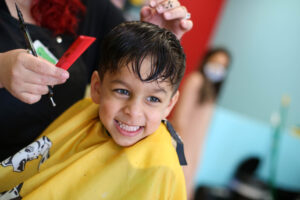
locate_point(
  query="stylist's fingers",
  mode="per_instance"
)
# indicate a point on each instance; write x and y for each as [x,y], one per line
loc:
[26,77]
[28,93]
[181,18]
[176,13]
[34,89]
[146,12]
[169,14]
[30,69]
[29,98]
[157,7]
[186,24]
[167,6]
[20,89]
[40,79]
[43,67]
[154,3]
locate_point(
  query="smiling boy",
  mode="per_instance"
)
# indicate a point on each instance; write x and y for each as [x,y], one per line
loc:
[131,109]
[129,153]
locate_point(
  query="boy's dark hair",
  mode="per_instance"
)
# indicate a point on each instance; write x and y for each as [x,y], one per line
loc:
[131,42]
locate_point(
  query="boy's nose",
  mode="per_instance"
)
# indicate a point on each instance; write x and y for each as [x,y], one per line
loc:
[133,109]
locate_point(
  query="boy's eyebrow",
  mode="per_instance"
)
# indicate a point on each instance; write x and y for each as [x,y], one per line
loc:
[124,83]
[120,82]
[160,90]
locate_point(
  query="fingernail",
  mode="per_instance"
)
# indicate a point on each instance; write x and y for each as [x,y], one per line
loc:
[146,12]
[183,23]
[167,15]
[152,3]
[159,9]
[65,74]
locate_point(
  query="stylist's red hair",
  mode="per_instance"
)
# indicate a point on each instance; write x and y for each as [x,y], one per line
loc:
[60,16]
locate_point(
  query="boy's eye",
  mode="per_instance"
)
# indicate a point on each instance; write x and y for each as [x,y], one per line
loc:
[122,91]
[153,99]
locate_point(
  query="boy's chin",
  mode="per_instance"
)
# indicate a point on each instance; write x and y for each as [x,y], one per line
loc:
[126,141]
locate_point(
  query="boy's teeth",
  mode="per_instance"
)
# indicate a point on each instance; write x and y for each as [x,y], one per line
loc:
[128,128]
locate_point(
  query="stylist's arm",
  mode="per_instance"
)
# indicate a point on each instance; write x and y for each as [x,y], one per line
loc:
[26,77]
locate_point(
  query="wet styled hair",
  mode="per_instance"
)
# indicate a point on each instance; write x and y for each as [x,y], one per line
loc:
[129,43]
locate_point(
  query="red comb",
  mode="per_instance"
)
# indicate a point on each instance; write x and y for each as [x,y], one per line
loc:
[76,49]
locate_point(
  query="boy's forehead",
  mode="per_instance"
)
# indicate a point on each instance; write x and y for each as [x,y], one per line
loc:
[145,68]
[126,75]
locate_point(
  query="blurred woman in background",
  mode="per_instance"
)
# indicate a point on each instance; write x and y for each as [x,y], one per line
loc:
[193,112]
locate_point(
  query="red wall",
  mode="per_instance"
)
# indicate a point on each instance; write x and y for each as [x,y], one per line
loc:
[204,14]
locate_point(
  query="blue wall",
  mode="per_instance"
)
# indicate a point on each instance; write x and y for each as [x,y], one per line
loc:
[264,39]
[234,137]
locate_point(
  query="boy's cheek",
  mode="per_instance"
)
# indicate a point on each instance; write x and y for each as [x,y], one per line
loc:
[108,106]
[154,120]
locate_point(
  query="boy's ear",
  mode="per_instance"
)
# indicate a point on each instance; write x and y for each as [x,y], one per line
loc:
[95,87]
[172,103]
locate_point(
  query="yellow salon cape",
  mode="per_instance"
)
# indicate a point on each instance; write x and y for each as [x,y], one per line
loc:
[75,158]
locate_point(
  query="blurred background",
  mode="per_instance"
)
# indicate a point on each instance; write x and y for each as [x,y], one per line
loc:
[255,125]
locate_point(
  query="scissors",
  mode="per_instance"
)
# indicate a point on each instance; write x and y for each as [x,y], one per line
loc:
[30,46]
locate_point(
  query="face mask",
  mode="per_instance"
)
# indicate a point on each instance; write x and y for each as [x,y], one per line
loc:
[214,72]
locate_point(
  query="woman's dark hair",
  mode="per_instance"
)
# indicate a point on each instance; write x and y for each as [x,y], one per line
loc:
[210,90]
[129,43]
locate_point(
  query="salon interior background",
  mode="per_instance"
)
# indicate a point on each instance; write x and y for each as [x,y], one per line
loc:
[264,39]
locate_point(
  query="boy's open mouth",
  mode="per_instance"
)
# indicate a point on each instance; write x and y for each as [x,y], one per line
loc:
[128,130]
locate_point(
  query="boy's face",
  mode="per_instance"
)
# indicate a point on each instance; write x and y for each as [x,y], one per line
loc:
[131,109]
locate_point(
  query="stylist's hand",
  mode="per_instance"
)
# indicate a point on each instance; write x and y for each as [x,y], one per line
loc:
[26,77]
[168,14]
